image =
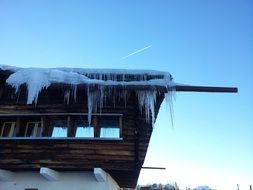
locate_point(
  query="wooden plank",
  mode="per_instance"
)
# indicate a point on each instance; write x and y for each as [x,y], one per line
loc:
[120,125]
[153,168]
[189,88]
[192,88]
[18,127]
[71,127]
[96,126]
[73,154]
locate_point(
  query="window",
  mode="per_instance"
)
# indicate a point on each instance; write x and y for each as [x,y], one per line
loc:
[33,129]
[110,127]
[60,132]
[109,132]
[84,132]
[83,129]
[59,128]
[8,129]
[62,125]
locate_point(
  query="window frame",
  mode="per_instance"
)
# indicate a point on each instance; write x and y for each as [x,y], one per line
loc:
[21,125]
[118,126]
[54,124]
[12,130]
[92,128]
[35,128]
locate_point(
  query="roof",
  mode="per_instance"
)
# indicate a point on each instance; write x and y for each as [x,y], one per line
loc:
[145,83]
[98,82]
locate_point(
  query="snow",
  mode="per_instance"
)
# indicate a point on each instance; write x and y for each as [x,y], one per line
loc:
[8,67]
[37,79]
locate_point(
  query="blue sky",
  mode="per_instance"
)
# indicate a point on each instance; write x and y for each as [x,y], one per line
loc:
[200,42]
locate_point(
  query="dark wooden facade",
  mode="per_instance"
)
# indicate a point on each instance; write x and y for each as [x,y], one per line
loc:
[122,158]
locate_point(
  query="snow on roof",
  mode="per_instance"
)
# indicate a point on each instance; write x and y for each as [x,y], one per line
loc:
[92,71]
[8,67]
[37,79]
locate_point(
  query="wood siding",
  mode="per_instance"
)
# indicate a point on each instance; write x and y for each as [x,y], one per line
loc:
[122,159]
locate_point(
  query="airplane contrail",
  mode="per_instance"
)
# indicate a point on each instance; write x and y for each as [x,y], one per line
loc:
[138,51]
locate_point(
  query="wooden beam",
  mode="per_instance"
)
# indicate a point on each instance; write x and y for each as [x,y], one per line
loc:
[6,175]
[176,87]
[154,168]
[18,127]
[57,113]
[120,126]
[44,126]
[181,88]
[96,124]
[49,174]
[71,127]
[188,88]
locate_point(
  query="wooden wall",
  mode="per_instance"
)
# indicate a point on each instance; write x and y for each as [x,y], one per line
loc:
[121,158]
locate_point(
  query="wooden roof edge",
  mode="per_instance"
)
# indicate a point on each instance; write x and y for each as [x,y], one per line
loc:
[214,89]
[176,87]
[183,88]
[163,89]
[186,88]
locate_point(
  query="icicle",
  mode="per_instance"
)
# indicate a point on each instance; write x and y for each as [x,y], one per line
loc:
[169,103]
[113,97]
[93,100]
[37,79]
[18,96]
[123,95]
[33,89]
[66,96]
[74,90]
[101,99]
[90,105]
[147,100]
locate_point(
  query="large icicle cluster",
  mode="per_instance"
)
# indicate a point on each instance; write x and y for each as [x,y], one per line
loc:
[147,100]
[37,79]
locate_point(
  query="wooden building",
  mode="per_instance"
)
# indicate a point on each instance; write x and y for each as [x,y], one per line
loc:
[56,121]
[79,126]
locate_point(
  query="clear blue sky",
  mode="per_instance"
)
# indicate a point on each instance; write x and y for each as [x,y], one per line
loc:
[200,42]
